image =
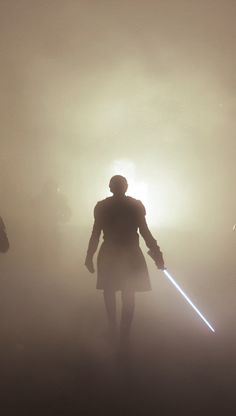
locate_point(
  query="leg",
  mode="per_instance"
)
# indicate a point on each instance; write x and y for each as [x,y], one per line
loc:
[127,313]
[110,305]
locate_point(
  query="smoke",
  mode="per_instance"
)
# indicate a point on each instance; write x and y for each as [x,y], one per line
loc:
[90,89]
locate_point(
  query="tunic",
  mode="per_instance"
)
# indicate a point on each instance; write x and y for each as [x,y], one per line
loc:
[120,263]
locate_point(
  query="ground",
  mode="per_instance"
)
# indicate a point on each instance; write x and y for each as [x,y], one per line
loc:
[56,361]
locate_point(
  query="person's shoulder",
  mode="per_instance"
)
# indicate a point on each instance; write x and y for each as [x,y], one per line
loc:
[100,205]
[134,201]
[104,202]
[137,204]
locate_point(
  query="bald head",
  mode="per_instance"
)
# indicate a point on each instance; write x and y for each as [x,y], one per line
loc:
[118,185]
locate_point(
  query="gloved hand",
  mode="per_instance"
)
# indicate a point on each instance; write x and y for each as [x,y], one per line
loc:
[157,256]
[89,264]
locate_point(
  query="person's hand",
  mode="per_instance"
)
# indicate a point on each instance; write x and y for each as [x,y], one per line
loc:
[89,264]
[157,256]
[161,265]
[160,262]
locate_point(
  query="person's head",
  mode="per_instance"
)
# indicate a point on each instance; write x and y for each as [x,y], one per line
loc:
[118,185]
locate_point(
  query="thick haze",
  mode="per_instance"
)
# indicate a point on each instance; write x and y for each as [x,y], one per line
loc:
[141,88]
[84,84]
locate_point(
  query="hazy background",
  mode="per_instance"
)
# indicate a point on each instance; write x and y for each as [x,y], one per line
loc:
[145,89]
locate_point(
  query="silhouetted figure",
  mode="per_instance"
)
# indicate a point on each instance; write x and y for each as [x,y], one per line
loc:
[121,265]
[4,243]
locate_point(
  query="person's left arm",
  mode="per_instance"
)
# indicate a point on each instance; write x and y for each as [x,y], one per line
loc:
[151,243]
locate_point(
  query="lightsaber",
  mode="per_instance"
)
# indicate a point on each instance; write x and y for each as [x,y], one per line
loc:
[187,299]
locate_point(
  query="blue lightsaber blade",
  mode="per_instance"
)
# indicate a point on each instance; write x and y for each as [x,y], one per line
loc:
[187,299]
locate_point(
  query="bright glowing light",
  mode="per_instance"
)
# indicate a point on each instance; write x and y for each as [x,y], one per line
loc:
[137,189]
[187,299]
[170,205]
[162,193]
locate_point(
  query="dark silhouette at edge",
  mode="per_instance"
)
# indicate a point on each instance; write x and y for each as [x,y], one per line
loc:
[4,242]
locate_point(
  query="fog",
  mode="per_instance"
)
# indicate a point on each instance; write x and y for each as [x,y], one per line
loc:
[95,88]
